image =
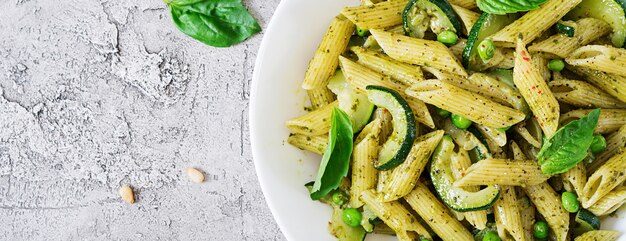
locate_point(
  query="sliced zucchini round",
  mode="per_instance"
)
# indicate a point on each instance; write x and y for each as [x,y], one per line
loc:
[486,25]
[419,15]
[355,104]
[338,228]
[395,150]
[611,11]
[455,197]
[588,219]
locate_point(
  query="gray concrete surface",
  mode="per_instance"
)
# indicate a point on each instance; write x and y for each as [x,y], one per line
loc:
[99,93]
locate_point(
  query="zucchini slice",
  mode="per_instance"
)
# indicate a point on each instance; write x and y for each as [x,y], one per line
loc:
[419,15]
[397,147]
[455,197]
[355,104]
[611,11]
[341,230]
[485,26]
[587,221]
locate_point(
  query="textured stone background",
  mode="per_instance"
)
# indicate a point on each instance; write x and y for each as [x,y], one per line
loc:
[99,93]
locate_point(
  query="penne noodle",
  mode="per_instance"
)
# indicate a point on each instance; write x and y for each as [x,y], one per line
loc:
[548,203]
[587,30]
[364,154]
[467,104]
[436,214]
[324,62]
[380,15]
[607,59]
[314,123]
[315,144]
[418,51]
[610,175]
[405,73]
[533,23]
[402,178]
[503,172]
[393,213]
[582,94]
[534,89]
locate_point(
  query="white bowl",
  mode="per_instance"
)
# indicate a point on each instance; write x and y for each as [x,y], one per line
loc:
[289,43]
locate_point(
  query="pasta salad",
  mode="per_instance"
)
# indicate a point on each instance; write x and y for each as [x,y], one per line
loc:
[469,119]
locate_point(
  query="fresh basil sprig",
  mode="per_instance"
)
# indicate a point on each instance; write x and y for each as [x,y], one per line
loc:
[508,6]
[218,23]
[336,159]
[569,145]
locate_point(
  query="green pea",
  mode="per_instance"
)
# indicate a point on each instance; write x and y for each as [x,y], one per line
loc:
[447,37]
[570,202]
[362,32]
[491,236]
[556,65]
[598,144]
[540,229]
[442,112]
[460,121]
[486,49]
[352,217]
[339,197]
[424,239]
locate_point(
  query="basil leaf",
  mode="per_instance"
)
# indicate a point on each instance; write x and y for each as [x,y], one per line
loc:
[508,6]
[218,23]
[336,159]
[569,145]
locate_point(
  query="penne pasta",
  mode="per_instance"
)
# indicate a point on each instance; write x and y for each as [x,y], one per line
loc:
[610,175]
[364,154]
[314,123]
[320,97]
[597,235]
[610,202]
[436,214]
[402,178]
[504,172]
[393,213]
[615,85]
[315,144]
[468,17]
[582,94]
[534,89]
[587,30]
[497,136]
[487,86]
[324,62]
[460,162]
[470,105]
[548,203]
[507,214]
[607,59]
[380,15]
[576,177]
[418,51]
[405,73]
[533,23]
